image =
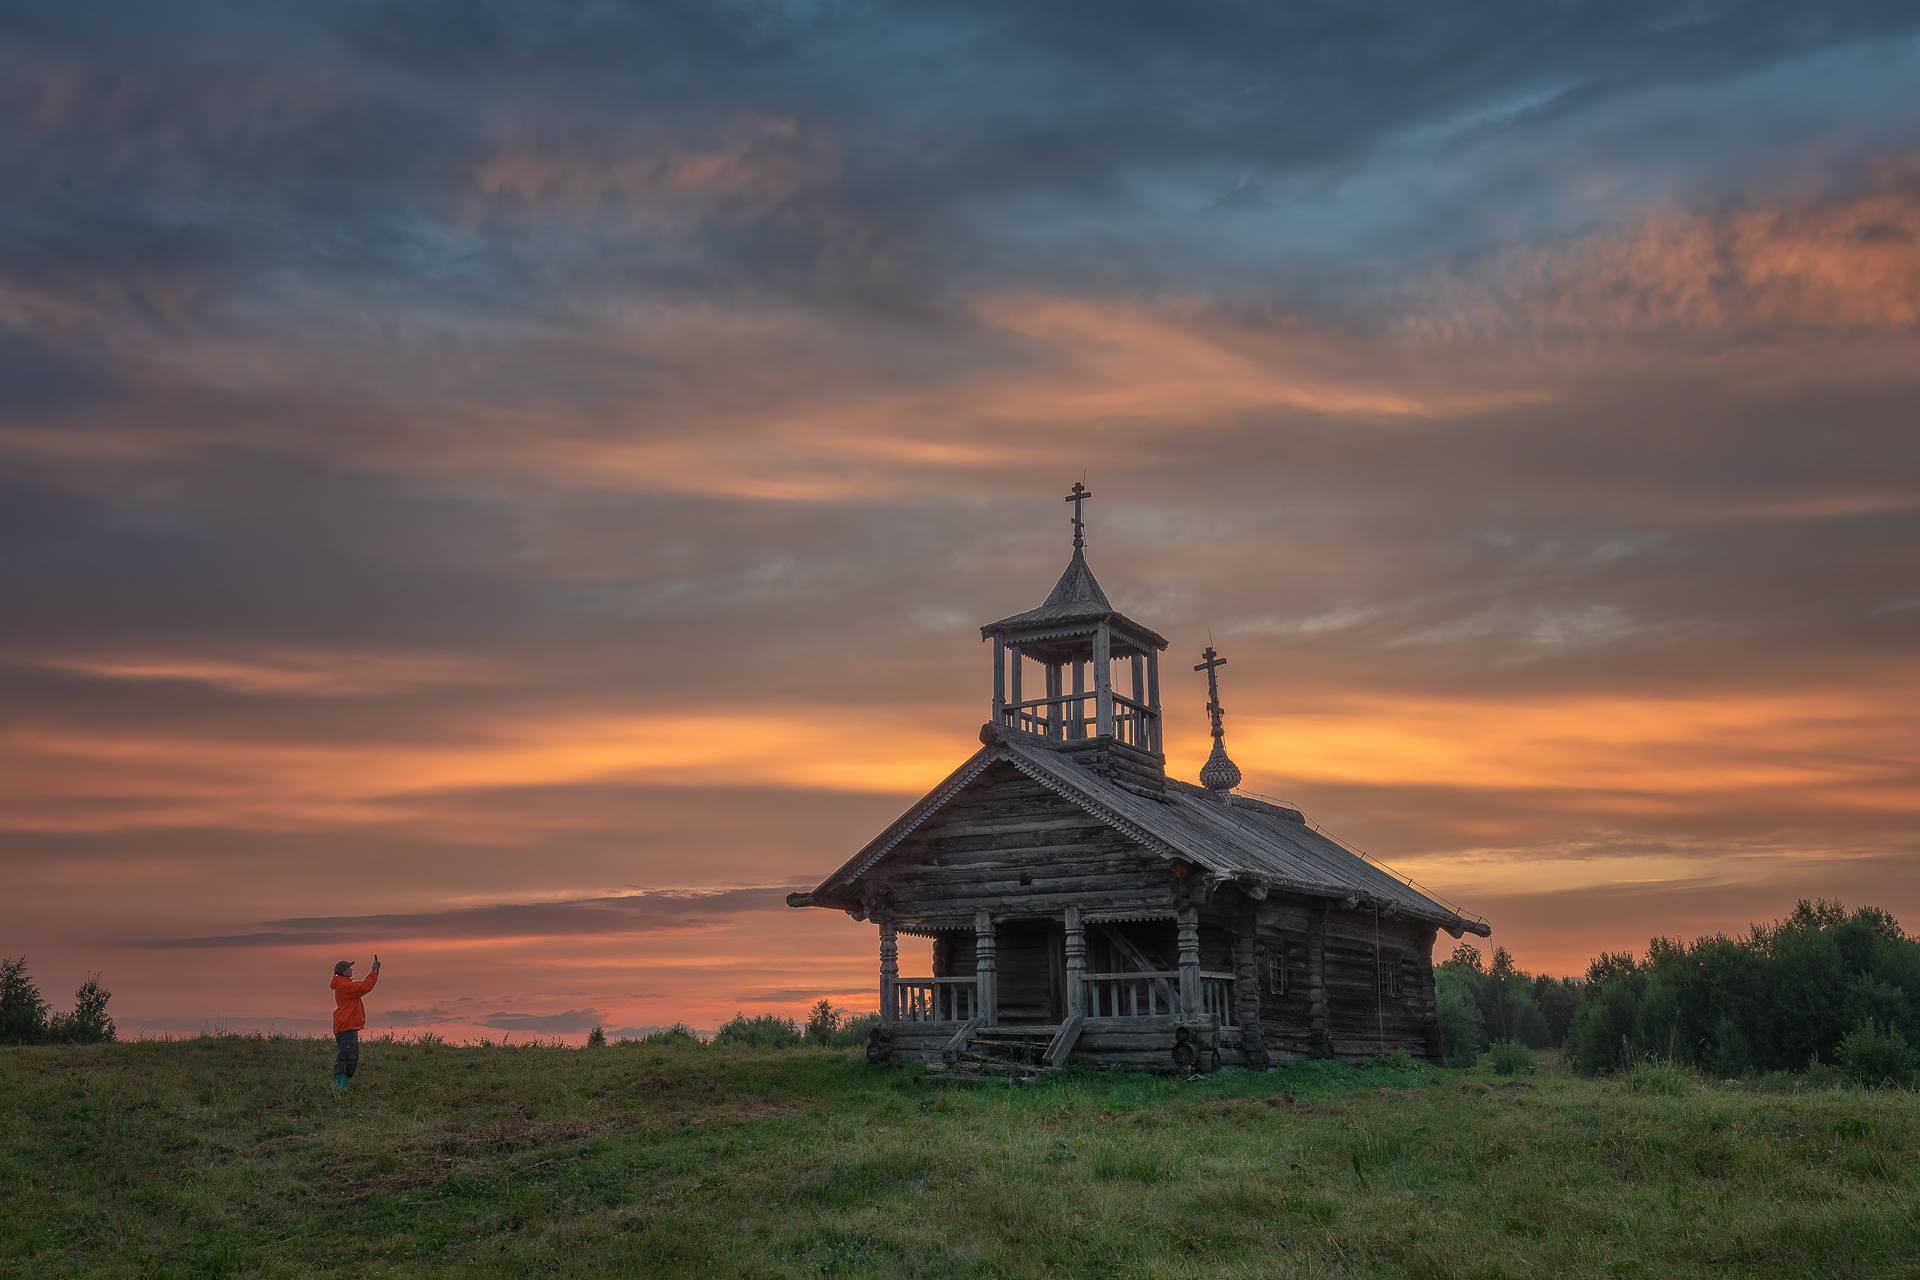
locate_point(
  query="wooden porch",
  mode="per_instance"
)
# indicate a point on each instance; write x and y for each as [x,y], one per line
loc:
[1141,1018]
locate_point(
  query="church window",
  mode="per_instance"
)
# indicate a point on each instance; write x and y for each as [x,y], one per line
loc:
[1389,965]
[1277,970]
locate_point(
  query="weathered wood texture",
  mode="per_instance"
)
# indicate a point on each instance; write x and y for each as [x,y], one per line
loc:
[1307,971]
[1001,829]
[1367,1017]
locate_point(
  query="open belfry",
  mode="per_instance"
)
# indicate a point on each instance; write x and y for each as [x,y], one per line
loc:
[1085,908]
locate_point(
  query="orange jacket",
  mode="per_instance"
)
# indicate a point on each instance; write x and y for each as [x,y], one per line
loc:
[348,1013]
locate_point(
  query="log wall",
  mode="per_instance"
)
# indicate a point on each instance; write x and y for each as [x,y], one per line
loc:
[1004,828]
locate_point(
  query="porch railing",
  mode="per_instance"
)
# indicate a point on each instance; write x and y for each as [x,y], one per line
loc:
[1216,998]
[935,999]
[1147,995]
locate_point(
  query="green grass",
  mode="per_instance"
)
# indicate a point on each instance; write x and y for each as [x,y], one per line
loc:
[231,1156]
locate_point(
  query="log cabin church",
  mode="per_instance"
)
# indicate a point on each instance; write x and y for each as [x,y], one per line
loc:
[1085,908]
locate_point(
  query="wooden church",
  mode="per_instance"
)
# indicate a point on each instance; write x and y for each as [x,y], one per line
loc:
[1086,908]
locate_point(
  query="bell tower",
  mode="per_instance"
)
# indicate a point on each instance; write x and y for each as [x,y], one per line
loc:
[1096,671]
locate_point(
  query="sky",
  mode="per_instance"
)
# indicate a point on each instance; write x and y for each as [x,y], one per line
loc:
[512,485]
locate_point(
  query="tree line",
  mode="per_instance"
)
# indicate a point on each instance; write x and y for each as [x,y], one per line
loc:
[26,1018]
[1824,990]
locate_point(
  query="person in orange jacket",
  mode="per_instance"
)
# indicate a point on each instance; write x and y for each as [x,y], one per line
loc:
[349,1015]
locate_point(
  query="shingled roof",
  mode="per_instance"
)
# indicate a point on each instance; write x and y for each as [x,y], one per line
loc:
[1077,597]
[1245,841]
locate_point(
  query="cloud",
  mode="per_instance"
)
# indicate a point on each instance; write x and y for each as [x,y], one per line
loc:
[558,1023]
[530,449]
[1845,264]
[619,914]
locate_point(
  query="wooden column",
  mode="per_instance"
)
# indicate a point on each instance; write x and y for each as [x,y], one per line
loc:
[1015,662]
[1053,691]
[1103,678]
[1076,964]
[984,969]
[1189,920]
[889,970]
[999,680]
[1318,1030]
[1153,697]
[1143,734]
[1080,686]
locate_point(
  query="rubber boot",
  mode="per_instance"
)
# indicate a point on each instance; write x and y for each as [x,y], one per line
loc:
[340,1083]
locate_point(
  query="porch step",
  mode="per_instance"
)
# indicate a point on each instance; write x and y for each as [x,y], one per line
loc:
[998,1044]
[992,1071]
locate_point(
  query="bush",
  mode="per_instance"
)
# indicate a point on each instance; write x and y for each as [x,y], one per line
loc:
[24,1018]
[768,1031]
[1870,1056]
[88,1023]
[23,1014]
[677,1036]
[822,1021]
[1508,1059]
[597,1038]
[853,1031]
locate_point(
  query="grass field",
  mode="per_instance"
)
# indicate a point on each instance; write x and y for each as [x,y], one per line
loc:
[232,1156]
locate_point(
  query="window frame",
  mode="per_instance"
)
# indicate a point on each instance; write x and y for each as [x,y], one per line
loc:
[1278,968]
[1386,964]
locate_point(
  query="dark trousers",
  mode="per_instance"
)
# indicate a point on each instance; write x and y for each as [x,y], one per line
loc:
[346,1057]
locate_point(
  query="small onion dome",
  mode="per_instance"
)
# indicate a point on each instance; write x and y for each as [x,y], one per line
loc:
[1219,773]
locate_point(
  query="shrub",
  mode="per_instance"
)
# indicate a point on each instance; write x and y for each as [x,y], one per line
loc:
[597,1038]
[768,1031]
[822,1021]
[853,1031]
[23,1014]
[88,1023]
[677,1036]
[1508,1058]
[1870,1056]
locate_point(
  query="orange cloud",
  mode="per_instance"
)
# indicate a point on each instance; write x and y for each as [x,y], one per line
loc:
[1853,747]
[1848,265]
[70,780]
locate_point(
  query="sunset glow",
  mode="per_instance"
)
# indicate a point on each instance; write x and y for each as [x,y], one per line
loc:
[519,495]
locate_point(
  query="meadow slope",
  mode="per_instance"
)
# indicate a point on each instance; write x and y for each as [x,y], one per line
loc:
[232,1156]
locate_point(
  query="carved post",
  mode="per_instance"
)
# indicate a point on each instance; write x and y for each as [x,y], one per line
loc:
[889,970]
[984,969]
[999,680]
[1153,698]
[1076,964]
[1103,678]
[1190,1004]
[1014,664]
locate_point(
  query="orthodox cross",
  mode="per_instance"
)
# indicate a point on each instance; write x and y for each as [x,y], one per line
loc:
[1079,495]
[1214,710]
